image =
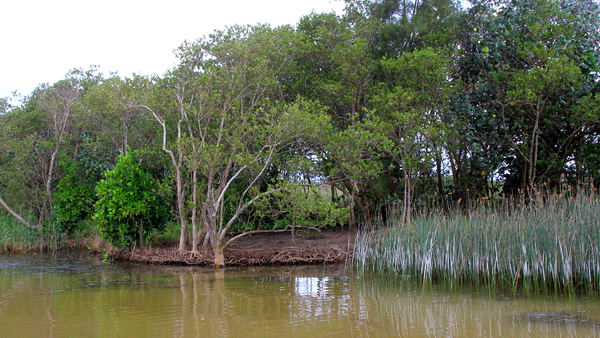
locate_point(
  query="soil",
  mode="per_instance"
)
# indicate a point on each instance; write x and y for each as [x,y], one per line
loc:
[283,248]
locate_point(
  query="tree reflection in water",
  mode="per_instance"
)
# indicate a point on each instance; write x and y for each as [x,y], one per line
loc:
[40,297]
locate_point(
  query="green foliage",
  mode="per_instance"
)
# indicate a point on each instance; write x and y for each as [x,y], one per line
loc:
[524,67]
[21,151]
[392,103]
[120,123]
[295,205]
[128,205]
[75,197]
[75,192]
[18,238]
[170,234]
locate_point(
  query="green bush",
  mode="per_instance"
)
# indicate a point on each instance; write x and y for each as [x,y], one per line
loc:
[129,205]
[74,198]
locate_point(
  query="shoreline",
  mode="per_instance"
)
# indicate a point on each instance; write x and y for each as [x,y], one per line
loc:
[330,246]
[233,257]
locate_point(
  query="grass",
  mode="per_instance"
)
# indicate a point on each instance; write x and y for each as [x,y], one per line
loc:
[16,237]
[170,235]
[549,245]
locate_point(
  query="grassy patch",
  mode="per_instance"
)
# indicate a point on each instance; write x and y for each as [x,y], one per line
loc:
[16,237]
[170,235]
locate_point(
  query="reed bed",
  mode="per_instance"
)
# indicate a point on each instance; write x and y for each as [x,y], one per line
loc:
[551,244]
[15,237]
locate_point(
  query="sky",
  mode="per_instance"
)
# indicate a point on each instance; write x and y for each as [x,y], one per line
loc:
[42,40]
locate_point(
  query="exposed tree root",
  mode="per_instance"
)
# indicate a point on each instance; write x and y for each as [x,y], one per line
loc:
[236,257]
[262,248]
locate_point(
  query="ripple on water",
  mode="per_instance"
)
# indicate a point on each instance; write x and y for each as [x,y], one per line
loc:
[86,298]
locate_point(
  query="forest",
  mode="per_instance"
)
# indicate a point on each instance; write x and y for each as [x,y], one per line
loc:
[392,109]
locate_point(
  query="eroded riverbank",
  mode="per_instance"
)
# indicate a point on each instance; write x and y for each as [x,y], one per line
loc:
[330,246]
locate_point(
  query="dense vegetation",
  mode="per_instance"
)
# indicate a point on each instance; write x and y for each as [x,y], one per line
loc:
[551,246]
[394,108]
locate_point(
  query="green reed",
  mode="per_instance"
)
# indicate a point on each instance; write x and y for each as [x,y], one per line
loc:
[16,237]
[551,244]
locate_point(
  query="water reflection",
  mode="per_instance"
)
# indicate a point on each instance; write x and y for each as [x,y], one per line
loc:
[87,298]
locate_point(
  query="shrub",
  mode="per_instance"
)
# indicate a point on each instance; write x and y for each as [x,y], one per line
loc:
[128,204]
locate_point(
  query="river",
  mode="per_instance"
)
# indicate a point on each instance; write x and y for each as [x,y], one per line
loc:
[43,296]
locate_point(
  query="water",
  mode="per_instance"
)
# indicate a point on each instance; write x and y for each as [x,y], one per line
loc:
[49,297]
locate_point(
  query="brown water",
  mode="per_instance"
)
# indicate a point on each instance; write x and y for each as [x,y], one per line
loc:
[46,297]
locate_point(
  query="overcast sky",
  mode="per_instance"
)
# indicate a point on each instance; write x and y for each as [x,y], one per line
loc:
[43,39]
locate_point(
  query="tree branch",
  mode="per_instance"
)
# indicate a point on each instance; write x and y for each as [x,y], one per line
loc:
[241,209]
[14,214]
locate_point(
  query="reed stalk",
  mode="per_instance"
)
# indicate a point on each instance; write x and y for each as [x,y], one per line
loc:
[550,244]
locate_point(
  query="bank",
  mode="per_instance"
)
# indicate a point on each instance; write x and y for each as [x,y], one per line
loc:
[330,246]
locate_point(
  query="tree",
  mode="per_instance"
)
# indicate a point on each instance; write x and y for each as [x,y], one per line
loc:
[407,25]
[15,165]
[301,206]
[412,104]
[534,89]
[335,66]
[525,68]
[352,159]
[34,135]
[5,105]
[59,101]
[128,203]
[172,144]
[118,122]
[230,125]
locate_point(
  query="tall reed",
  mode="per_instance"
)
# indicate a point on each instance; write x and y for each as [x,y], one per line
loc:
[551,244]
[15,237]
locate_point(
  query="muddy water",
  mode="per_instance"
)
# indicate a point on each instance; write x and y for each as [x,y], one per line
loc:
[49,297]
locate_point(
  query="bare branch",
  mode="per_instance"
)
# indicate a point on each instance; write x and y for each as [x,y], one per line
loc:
[14,214]
[242,208]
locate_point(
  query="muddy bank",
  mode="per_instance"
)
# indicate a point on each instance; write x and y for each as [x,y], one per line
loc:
[327,247]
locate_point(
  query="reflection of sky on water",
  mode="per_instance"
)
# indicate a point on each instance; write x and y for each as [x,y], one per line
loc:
[319,298]
[311,286]
[76,298]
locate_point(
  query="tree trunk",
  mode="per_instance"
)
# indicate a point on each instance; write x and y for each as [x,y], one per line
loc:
[46,211]
[440,183]
[43,213]
[351,210]
[195,231]
[180,204]
[533,152]
[407,212]
[182,235]
[209,217]
[141,234]
[219,257]
[177,164]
